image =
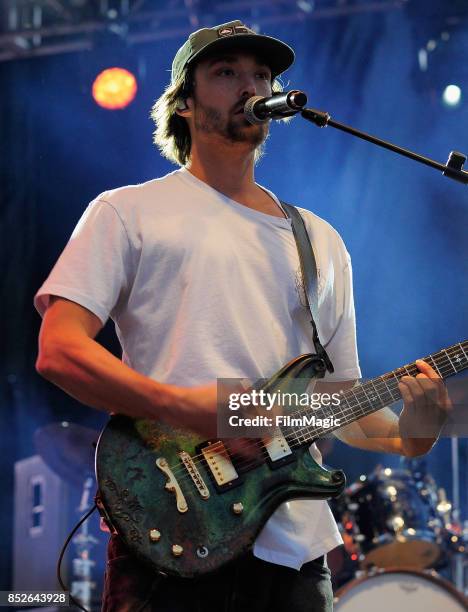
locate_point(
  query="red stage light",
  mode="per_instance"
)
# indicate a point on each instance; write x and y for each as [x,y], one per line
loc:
[114,88]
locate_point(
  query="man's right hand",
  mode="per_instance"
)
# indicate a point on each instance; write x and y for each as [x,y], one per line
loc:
[197,410]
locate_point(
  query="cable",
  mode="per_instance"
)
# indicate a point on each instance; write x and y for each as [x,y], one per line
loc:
[62,552]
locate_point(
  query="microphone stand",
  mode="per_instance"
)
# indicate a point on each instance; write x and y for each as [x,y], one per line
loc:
[452,169]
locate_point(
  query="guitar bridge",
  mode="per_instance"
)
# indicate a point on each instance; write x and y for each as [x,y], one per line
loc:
[194,474]
[172,485]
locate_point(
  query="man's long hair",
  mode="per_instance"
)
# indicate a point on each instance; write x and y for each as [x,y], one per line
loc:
[172,134]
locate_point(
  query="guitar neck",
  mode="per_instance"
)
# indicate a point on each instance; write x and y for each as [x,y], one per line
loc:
[379,392]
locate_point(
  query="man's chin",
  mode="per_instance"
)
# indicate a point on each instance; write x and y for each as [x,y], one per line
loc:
[244,131]
[242,120]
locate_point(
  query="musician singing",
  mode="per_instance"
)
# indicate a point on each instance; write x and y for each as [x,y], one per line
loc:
[200,273]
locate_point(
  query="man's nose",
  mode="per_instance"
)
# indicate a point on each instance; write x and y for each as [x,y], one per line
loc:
[248,86]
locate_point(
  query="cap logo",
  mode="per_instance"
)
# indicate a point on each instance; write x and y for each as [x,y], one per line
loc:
[228,31]
[225,31]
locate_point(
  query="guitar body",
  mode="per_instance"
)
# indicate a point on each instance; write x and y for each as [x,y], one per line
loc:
[210,532]
[188,513]
[188,506]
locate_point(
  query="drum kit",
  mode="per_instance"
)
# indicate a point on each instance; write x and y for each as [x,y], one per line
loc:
[398,528]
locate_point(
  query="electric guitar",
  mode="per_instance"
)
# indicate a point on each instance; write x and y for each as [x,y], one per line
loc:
[187,506]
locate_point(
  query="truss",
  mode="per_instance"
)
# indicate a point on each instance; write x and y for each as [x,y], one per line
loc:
[46,27]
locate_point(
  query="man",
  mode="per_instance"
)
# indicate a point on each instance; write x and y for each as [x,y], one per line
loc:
[200,273]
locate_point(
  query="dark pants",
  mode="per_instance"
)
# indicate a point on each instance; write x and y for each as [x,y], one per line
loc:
[247,585]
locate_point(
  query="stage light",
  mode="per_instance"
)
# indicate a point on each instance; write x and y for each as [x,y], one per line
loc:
[114,88]
[452,95]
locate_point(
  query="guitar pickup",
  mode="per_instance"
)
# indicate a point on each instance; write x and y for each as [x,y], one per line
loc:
[219,463]
[279,451]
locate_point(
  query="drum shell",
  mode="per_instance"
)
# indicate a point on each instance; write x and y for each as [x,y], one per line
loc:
[397,521]
[404,590]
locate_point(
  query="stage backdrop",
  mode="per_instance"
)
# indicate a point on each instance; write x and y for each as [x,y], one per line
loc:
[404,224]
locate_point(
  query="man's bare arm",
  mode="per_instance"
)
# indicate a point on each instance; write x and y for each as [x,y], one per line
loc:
[70,357]
[377,432]
[425,409]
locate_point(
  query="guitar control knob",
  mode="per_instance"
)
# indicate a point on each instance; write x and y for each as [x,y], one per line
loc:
[154,535]
[177,550]
[238,508]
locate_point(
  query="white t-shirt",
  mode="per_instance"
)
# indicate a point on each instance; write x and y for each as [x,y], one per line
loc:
[201,287]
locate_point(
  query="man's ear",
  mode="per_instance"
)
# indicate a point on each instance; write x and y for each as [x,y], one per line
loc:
[184,107]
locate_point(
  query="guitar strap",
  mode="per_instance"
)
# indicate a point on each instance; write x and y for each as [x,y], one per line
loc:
[309,275]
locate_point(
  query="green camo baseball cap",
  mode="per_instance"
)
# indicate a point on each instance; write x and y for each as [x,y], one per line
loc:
[232,35]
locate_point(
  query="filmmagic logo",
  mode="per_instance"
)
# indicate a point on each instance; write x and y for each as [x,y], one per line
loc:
[283,420]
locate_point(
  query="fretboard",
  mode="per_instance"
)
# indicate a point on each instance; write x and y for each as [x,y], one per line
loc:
[374,394]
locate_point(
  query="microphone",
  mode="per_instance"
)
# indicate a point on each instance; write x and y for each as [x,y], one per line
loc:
[282,104]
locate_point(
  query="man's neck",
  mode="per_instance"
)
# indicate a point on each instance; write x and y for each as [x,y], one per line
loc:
[228,169]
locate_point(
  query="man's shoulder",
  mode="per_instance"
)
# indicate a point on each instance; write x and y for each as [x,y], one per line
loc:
[326,240]
[319,227]
[130,196]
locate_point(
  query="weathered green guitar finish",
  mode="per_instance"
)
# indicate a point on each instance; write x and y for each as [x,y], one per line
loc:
[211,531]
[163,494]
[132,490]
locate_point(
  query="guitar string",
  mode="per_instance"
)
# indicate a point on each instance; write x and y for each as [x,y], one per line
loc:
[445,369]
[318,431]
[360,392]
[370,391]
[246,463]
[358,389]
[295,443]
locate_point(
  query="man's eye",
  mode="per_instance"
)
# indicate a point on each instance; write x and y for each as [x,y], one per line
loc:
[263,75]
[225,72]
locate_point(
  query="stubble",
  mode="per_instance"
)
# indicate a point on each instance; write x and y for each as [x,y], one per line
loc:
[234,129]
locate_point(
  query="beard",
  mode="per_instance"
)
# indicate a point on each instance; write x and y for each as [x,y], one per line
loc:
[234,128]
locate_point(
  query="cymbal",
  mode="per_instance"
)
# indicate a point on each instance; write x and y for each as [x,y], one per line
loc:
[68,449]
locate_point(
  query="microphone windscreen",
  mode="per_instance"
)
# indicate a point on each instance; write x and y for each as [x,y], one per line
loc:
[249,111]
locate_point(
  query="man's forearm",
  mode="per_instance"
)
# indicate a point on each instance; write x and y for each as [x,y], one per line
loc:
[413,446]
[383,431]
[87,371]
[398,442]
